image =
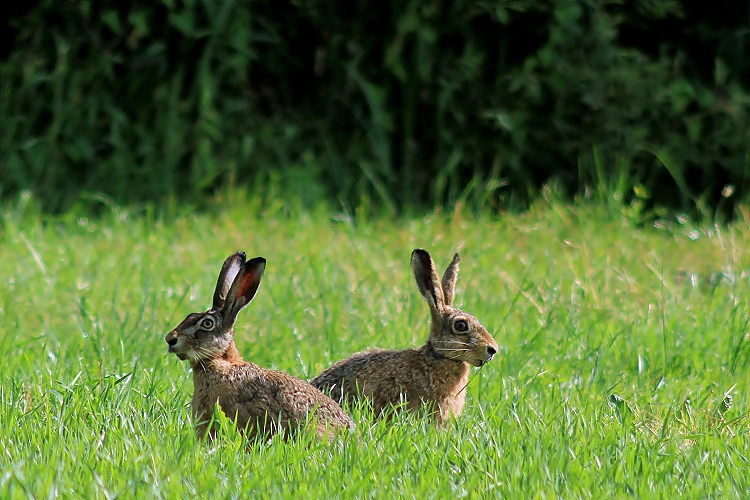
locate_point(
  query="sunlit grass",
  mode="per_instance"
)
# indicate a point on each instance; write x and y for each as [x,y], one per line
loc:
[614,376]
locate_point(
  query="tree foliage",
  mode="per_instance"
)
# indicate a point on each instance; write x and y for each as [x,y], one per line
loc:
[407,103]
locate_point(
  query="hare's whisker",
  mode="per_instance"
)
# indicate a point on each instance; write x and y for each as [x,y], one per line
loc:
[453,348]
[463,344]
[450,341]
[457,341]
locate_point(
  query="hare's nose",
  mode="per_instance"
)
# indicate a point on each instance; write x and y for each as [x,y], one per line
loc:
[491,351]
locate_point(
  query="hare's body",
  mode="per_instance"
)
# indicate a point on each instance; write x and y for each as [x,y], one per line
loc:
[261,401]
[415,376]
[432,377]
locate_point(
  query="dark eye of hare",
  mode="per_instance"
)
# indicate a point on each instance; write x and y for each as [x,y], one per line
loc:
[460,326]
[207,323]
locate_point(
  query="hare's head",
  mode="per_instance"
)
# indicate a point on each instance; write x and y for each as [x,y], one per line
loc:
[208,335]
[454,334]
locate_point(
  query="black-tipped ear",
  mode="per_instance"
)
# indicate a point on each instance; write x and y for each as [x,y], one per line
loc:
[427,280]
[449,280]
[244,288]
[228,273]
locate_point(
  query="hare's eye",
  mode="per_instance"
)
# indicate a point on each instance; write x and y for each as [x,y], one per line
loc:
[460,326]
[207,323]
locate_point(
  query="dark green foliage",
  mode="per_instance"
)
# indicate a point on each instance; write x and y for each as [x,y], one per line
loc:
[407,103]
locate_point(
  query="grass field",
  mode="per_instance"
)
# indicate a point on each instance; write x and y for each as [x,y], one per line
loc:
[614,378]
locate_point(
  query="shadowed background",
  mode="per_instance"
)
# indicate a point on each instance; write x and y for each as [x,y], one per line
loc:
[392,104]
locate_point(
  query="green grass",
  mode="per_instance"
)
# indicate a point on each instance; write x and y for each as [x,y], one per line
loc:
[610,381]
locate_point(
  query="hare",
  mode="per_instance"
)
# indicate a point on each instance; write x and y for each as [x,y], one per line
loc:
[261,401]
[436,374]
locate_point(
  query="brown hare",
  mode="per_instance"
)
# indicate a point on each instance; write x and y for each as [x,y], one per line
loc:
[436,374]
[261,401]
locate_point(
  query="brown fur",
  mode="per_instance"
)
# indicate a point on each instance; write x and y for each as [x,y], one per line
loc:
[261,401]
[436,374]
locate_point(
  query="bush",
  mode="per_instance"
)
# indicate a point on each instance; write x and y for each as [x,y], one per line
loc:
[405,103]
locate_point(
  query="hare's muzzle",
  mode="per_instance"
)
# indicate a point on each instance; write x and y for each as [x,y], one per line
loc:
[171,340]
[489,353]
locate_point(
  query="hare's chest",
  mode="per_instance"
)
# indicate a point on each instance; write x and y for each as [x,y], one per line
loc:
[455,402]
[210,390]
[451,396]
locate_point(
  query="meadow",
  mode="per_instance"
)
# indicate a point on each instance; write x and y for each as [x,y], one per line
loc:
[623,367]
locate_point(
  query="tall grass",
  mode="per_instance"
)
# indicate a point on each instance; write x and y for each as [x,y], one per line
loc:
[623,366]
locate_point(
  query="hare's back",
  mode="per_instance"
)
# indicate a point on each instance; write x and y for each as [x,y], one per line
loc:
[368,372]
[270,393]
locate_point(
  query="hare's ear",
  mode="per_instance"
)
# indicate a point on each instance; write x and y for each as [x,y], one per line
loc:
[427,279]
[229,271]
[243,288]
[449,280]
